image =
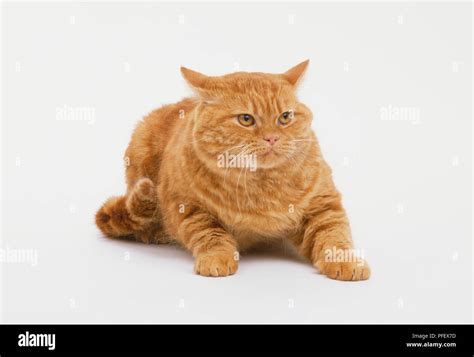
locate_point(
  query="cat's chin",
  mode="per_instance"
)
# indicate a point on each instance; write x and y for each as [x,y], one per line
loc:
[271,160]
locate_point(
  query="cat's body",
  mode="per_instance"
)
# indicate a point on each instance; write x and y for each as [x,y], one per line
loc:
[237,203]
[179,191]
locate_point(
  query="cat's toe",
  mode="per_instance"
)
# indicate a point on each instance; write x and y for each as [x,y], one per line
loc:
[145,189]
[215,265]
[346,271]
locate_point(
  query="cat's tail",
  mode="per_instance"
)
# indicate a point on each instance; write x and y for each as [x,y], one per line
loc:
[134,214]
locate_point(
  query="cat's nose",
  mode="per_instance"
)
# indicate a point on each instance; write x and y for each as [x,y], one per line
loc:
[272,139]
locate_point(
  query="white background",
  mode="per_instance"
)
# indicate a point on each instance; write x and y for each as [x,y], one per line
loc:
[406,183]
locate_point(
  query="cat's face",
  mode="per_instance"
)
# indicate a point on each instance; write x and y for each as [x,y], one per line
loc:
[254,118]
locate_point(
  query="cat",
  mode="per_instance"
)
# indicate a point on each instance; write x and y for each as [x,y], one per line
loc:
[187,183]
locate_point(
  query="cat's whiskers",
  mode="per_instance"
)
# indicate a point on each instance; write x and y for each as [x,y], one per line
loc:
[196,141]
[233,147]
[240,153]
[298,140]
[243,152]
[292,156]
[245,185]
[237,189]
[225,173]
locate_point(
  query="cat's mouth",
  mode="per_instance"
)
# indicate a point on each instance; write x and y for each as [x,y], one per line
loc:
[268,152]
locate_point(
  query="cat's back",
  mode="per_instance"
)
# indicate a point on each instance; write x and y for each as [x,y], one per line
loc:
[150,138]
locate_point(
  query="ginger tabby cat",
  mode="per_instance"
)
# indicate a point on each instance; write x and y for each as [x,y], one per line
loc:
[179,190]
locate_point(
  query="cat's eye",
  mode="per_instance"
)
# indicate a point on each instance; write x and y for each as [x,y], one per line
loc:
[285,118]
[246,120]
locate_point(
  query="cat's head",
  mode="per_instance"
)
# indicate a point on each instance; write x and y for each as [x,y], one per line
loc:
[254,115]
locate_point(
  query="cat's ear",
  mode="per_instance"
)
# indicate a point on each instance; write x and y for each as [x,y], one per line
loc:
[196,80]
[294,74]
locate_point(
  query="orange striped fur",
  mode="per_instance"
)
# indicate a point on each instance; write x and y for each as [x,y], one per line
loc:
[178,191]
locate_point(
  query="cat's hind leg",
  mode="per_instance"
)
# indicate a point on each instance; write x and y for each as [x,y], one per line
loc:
[134,214]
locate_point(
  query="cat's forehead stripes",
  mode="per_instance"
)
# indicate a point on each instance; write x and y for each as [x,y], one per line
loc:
[264,106]
[265,96]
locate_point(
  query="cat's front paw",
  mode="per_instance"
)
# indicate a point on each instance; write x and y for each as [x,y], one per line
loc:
[216,264]
[349,271]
